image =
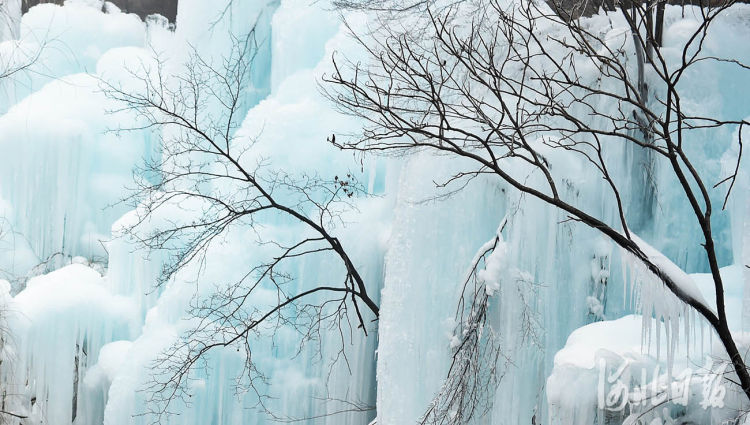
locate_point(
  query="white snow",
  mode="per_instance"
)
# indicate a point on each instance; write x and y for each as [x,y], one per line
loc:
[61,169]
[683,281]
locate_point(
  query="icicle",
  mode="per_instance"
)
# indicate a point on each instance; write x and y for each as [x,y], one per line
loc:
[658,306]
[687,334]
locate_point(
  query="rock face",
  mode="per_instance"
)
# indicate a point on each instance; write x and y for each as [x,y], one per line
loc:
[142,8]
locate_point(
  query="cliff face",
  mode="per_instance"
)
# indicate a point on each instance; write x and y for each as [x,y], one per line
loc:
[142,8]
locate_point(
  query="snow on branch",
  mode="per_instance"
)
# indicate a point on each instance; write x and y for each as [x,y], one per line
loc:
[656,302]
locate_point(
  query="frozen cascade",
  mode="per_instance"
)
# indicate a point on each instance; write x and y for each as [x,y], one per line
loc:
[561,276]
[83,163]
[85,335]
[107,366]
[64,210]
[668,335]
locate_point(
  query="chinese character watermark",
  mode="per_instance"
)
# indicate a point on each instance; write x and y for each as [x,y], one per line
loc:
[616,390]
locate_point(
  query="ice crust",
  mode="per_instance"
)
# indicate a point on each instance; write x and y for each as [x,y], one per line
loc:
[89,323]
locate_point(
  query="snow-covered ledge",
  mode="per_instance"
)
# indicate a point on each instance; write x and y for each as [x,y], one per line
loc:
[608,373]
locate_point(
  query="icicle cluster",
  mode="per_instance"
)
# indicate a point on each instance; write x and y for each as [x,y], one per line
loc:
[659,308]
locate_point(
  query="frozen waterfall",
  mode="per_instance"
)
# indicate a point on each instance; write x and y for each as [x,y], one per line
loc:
[86,319]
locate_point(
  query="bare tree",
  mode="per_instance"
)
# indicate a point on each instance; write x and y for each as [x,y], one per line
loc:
[203,162]
[505,87]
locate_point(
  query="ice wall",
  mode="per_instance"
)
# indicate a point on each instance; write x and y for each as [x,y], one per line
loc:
[711,88]
[56,121]
[107,359]
[71,197]
[564,261]
[86,335]
[427,260]
[71,310]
